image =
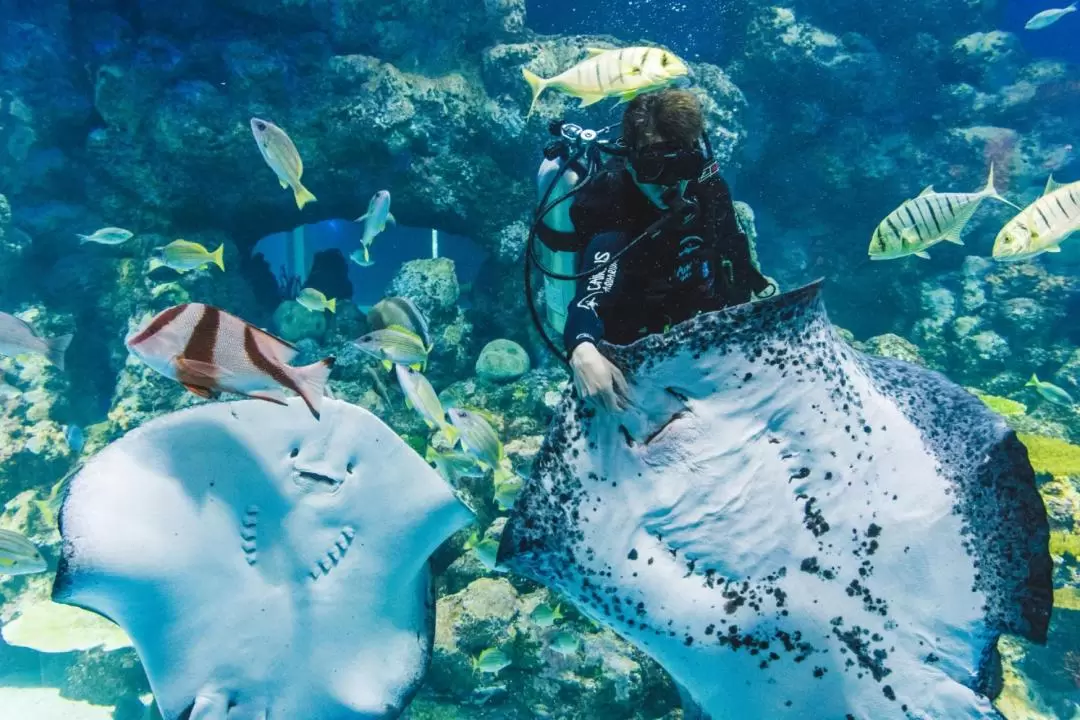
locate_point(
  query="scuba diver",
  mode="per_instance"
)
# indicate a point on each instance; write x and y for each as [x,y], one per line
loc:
[653,232]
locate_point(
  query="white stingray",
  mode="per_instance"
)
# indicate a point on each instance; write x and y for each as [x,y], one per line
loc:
[791,528]
[266,565]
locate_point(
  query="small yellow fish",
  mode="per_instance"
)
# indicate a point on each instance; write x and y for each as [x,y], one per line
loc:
[281,155]
[622,73]
[315,301]
[184,255]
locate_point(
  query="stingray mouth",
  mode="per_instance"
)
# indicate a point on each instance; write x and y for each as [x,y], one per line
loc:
[314,480]
[333,557]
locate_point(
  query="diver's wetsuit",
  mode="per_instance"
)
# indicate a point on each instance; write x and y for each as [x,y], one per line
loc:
[690,267]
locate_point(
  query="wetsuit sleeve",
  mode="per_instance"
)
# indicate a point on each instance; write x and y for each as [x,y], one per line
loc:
[597,293]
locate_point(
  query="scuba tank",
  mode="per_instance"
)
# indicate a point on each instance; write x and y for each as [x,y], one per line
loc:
[558,293]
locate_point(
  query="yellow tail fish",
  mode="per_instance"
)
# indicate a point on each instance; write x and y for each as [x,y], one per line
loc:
[281,155]
[622,73]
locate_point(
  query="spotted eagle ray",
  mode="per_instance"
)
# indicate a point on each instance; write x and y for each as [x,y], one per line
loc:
[267,566]
[791,528]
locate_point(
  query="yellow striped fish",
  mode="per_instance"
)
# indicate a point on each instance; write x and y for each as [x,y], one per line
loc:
[18,556]
[1042,225]
[606,73]
[924,221]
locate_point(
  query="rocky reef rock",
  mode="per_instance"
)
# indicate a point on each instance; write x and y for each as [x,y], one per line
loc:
[502,361]
[432,285]
[294,322]
[602,677]
[894,346]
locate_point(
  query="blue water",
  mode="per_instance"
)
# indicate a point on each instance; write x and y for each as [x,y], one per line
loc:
[135,113]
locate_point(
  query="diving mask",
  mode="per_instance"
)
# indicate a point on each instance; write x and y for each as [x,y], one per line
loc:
[666,163]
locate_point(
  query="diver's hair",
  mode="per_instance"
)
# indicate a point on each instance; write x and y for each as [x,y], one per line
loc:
[665,115]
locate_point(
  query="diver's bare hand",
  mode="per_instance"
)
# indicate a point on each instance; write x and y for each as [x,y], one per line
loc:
[597,379]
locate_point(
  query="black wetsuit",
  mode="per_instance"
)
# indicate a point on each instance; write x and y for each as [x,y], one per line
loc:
[700,261]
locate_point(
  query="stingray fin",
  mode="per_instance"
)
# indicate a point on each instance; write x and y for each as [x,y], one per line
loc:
[207,707]
[690,708]
[594,51]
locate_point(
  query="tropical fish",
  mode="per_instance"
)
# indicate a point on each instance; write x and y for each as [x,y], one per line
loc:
[421,396]
[380,387]
[922,222]
[108,236]
[184,255]
[375,220]
[315,301]
[545,616]
[564,643]
[1048,17]
[454,465]
[481,441]
[472,541]
[403,312]
[19,556]
[1050,392]
[395,346]
[622,73]
[209,351]
[50,506]
[75,437]
[1042,226]
[506,492]
[491,660]
[18,338]
[487,552]
[281,155]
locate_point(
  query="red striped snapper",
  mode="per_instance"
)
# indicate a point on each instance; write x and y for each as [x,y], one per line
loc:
[210,351]
[18,338]
[622,73]
[924,221]
[281,155]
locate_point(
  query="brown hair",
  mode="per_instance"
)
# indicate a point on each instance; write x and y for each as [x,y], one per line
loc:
[666,115]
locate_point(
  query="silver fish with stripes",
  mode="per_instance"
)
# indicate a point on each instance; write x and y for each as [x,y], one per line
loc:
[924,221]
[209,351]
[19,556]
[623,73]
[1041,226]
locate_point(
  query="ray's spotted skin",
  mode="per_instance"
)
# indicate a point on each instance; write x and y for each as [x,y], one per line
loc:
[791,528]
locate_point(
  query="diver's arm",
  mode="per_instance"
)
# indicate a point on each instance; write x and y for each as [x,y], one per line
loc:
[596,292]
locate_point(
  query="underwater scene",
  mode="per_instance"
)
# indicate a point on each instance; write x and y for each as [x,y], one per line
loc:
[512,359]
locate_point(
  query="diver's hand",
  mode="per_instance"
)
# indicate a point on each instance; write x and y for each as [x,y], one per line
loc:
[597,379]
